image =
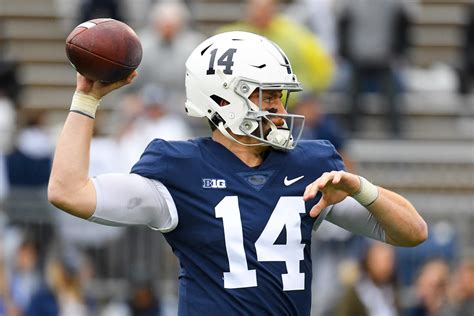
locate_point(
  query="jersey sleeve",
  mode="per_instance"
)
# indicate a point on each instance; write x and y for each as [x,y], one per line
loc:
[352,216]
[153,161]
[321,154]
[129,199]
[336,159]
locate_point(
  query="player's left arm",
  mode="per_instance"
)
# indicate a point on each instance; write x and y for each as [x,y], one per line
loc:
[401,222]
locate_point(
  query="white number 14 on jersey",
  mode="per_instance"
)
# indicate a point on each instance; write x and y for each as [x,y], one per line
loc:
[285,214]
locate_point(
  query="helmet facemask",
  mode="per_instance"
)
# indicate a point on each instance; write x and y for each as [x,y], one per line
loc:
[258,123]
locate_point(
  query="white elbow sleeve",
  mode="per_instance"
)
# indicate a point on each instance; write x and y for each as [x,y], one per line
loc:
[129,199]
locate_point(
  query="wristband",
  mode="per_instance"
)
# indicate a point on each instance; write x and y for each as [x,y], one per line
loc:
[84,104]
[367,193]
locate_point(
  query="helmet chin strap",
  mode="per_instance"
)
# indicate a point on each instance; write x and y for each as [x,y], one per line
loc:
[224,132]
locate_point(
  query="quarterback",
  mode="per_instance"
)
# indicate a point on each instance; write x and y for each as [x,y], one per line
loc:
[238,208]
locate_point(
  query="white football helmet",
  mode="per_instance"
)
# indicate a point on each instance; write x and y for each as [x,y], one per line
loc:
[224,70]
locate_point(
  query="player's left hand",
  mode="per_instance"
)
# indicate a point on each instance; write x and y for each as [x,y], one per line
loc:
[335,187]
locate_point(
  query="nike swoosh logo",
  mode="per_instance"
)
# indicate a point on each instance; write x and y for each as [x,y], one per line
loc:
[290,182]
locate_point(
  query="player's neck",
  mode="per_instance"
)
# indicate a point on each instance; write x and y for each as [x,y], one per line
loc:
[252,156]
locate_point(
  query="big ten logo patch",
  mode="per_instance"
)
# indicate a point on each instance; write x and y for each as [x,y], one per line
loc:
[213,183]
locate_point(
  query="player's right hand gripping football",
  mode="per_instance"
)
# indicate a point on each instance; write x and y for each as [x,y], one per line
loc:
[99,89]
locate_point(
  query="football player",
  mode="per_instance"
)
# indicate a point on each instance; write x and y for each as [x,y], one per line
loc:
[237,208]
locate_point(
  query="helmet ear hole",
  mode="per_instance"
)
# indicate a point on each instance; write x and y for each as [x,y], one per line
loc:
[219,101]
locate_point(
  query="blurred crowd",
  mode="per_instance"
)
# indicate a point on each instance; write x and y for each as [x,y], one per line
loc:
[54,264]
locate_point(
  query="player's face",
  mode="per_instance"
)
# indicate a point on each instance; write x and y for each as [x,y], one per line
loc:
[271,102]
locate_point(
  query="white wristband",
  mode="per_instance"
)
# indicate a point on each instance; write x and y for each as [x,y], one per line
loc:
[84,104]
[367,193]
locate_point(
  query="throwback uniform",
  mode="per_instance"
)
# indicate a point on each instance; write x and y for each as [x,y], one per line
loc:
[245,230]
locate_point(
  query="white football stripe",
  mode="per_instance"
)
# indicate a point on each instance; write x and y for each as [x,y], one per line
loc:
[87,25]
[90,24]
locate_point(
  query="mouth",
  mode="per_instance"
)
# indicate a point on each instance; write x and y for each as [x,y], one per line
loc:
[267,127]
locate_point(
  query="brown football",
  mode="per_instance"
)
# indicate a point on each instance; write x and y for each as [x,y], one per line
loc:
[104,50]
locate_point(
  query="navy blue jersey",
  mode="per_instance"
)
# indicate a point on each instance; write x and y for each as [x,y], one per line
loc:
[243,237]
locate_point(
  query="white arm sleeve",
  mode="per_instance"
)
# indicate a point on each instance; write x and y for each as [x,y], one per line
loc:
[130,199]
[352,216]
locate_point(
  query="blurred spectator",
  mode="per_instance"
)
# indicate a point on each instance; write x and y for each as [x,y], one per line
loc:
[93,9]
[374,40]
[3,180]
[25,278]
[29,163]
[104,149]
[62,293]
[462,290]
[431,290]
[9,89]
[9,85]
[154,120]
[115,308]
[7,307]
[311,63]
[4,292]
[442,242]
[28,166]
[7,128]
[320,125]
[143,301]
[319,17]
[167,42]
[7,123]
[335,253]
[374,293]
[467,58]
